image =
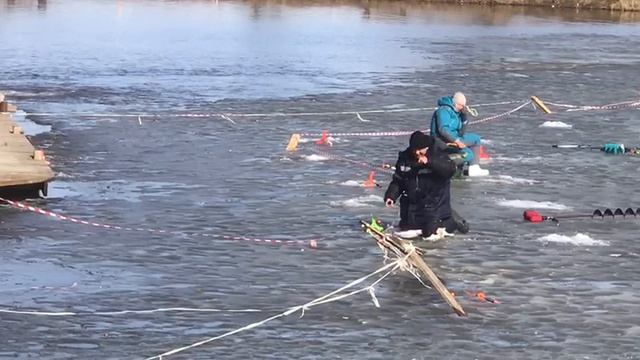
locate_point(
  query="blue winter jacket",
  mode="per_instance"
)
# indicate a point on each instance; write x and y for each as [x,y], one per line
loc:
[446,123]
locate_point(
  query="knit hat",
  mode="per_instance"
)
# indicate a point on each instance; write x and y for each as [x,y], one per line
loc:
[420,140]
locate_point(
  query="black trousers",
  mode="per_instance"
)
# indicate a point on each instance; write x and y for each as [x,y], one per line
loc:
[415,216]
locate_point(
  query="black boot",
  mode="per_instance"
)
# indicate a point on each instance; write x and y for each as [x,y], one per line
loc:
[461,224]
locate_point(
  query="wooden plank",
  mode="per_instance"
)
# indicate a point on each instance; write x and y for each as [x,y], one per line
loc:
[293,142]
[398,246]
[17,165]
[540,105]
[437,284]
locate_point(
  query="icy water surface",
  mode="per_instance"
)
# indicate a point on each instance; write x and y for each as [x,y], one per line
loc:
[567,292]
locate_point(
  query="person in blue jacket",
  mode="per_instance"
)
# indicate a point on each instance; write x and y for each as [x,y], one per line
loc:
[613,148]
[448,124]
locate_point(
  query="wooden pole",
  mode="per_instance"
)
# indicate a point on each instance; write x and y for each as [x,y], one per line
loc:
[399,247]
[293,142]
[540,104]
[438,286]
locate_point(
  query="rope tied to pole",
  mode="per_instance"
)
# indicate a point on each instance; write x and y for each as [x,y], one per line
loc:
[330,297]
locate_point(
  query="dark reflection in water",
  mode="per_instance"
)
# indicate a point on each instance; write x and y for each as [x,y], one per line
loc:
[456,13]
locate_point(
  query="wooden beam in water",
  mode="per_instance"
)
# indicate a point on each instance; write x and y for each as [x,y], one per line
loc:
[293,142]
[540,105]
[399,247]
[438,286]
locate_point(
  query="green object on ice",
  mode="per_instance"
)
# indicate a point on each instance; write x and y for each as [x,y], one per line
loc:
[613,148]
[375,225]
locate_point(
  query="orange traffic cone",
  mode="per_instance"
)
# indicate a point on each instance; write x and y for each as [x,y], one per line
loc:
[324,139]
[483,154]
[371,181]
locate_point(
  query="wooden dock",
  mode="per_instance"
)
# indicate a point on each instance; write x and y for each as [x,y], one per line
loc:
[24,171]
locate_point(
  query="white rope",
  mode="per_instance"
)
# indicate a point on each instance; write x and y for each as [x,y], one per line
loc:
[368,288]
[415,275]
[228,116]
[507,113]
[372,292]
[121,312]
[228,119]
[408,132]
[46,288]
[357,113]
[321,300]
[561,105]
[361,118]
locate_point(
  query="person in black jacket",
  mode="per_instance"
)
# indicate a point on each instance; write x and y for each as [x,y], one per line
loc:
[422,182]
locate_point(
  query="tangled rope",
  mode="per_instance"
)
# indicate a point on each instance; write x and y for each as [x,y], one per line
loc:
[330,297]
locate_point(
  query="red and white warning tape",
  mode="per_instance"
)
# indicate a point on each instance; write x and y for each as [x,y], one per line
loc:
[312,243]
[614,106]
[363,164]
[363,134]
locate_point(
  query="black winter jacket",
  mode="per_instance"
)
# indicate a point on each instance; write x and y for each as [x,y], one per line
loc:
[423,189]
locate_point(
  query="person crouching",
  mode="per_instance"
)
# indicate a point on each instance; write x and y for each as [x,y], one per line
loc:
[422,182]
[449,123]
